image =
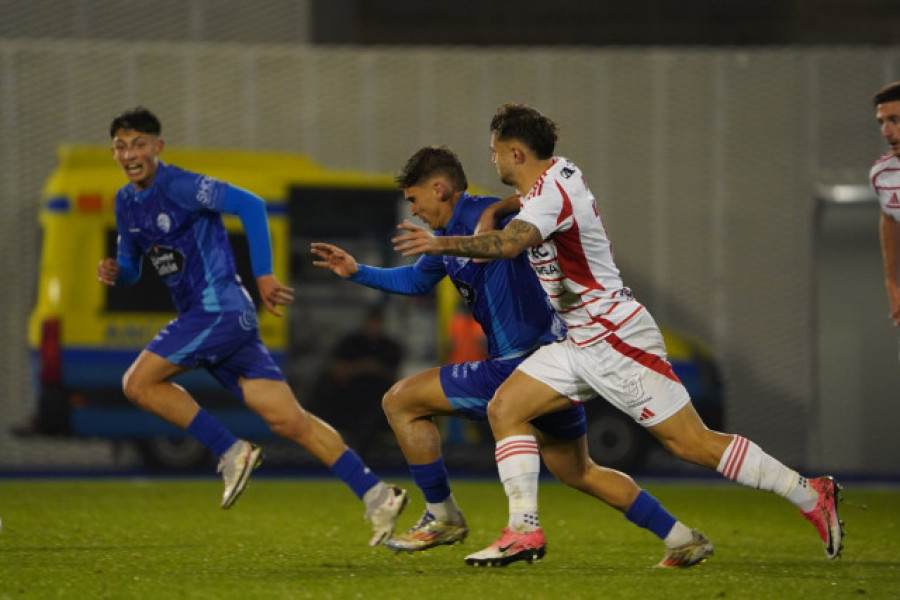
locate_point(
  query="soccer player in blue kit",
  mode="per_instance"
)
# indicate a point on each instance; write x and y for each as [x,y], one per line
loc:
[174,217]
[506,299]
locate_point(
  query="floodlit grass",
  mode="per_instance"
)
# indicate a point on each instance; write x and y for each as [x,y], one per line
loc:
[306,538]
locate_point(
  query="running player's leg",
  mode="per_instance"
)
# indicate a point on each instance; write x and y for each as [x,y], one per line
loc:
[741,460]
[174,351]
[410,406]
[655,398]
[570,463]
[274,401]
[146,384]
[518,401]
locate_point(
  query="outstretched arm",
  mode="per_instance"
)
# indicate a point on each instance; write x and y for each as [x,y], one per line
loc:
[506,243]
[338,260]
[416,279]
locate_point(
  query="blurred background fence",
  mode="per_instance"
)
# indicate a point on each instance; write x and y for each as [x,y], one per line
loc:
[705,162]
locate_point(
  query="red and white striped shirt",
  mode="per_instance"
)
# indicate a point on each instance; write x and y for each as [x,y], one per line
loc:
[575,263]
[885,178]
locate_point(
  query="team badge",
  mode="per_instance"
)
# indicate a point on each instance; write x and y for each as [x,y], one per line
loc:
[164,222]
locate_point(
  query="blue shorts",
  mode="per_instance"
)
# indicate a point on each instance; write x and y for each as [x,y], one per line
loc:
[226,344]
[470,386]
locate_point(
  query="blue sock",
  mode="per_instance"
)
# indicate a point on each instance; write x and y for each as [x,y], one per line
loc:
[647,512]
[432,480]
[207,430]
[350,469]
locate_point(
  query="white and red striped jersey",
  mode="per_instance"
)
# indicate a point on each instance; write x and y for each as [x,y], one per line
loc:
[885,178]
[575,263]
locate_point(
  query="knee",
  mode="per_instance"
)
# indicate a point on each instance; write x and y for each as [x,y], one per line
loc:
[498,409]
[133,388]
[394,401]
[294,424]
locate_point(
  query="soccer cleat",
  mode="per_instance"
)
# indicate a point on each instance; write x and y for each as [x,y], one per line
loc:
[235,467]
[693,553]
[384,516]
[824,516]
[428,533]
[511,546]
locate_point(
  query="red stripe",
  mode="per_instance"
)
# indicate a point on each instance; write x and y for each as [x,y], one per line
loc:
[651,361]
[504,451]
[570,253]
[736,457]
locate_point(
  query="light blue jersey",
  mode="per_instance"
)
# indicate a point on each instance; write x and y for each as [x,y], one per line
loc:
[177,223]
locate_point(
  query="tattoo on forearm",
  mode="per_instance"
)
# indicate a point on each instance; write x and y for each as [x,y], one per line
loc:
[514,238]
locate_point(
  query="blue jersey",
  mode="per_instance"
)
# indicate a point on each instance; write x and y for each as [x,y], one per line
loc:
[504,296]
[177,223]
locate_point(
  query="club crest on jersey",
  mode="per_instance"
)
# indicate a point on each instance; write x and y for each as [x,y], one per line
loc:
[164,222]
[166,261]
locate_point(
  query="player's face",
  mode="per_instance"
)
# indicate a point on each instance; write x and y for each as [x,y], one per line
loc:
[888,115]
[503,158]
[138,155]
[429,202]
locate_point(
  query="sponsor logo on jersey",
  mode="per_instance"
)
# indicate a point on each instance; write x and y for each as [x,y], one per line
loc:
[164,222]
[166,261]
[466,291]
[204,191]
[894,202]
[567,172]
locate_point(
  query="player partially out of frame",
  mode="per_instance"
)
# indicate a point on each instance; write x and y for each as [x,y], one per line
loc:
[174,217]
[614,348]
[506,300]
[885,178]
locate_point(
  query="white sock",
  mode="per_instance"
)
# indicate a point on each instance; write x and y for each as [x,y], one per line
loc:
[746,463]
[446,510]
[519,464]
[679,536]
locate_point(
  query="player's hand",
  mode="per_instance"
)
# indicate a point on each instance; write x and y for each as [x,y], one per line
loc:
[417,240]
[108,271]
[273,294]
[331,257]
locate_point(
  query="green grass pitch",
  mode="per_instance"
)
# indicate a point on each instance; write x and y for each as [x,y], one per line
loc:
[306,538]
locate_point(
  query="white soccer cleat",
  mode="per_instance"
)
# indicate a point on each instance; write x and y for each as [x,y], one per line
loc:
[384,516]
[692,553]
[235,467]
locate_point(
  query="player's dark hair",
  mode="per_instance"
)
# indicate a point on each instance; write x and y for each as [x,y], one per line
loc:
[889,93]
[138,119]
[430,161]
[526,124]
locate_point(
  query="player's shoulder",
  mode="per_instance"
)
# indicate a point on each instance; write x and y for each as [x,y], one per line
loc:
[886,168]
[469,208]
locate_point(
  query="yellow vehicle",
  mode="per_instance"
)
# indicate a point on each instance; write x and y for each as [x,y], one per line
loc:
[83,335]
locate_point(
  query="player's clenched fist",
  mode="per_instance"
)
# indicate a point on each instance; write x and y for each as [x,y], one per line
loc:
[108,271]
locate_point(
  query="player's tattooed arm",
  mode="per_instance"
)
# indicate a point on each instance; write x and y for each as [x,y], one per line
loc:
[506,243]
[515,237]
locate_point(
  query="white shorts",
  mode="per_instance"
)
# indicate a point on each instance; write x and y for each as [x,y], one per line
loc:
[628,369]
